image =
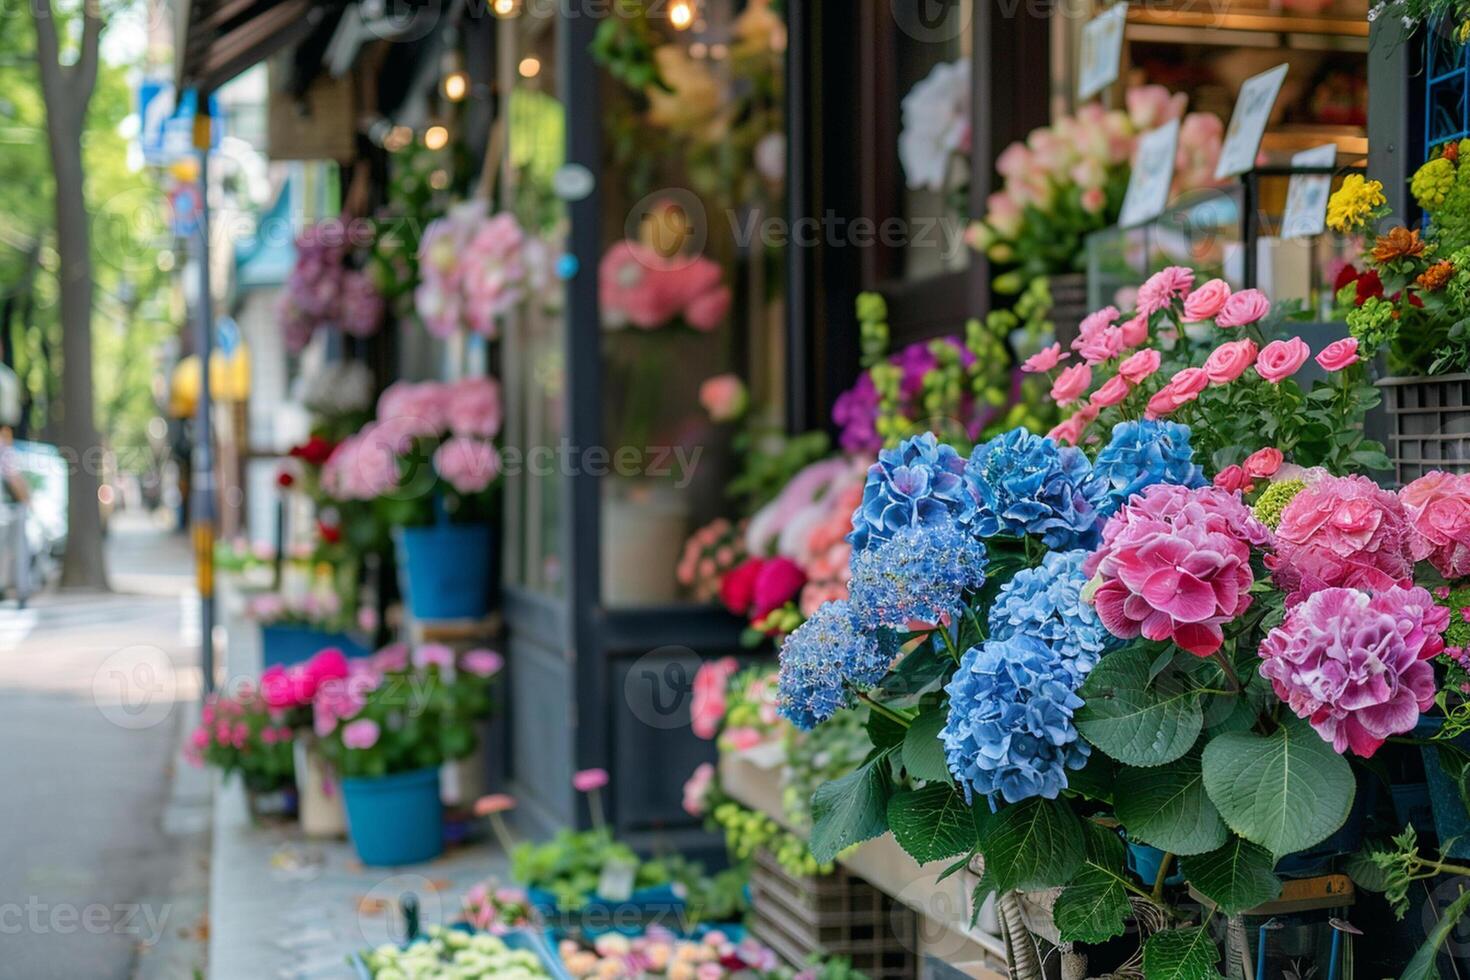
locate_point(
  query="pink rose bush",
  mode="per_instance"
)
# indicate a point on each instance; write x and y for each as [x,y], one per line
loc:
[1175,564]
[1355,664]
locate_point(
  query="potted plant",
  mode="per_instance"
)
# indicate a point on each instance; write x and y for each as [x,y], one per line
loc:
[240,734]
[295,624]
[386,729]
[289,691]
[1409,300]
[427,464]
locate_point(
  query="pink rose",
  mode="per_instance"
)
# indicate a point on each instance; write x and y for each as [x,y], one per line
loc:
[1263,463]
[1071,383]
[1104,346]
[1339,354]
[1094,324]
[1234,479]
[706,311]
[1229,361]
[1245,307]
[1162,288]
[1044,360]
[1206,302]
[1280,358]
[1182,389]
[723,397]
[1113,392]
[1135,331]
[1139,366]
[1069,432]
[780,580]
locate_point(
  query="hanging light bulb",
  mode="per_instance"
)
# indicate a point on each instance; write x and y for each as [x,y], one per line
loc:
[529,67]
[456,85]
[505,8]
[681,14]
[436,137]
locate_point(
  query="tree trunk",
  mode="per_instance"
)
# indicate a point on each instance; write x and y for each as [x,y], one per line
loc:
[67,91]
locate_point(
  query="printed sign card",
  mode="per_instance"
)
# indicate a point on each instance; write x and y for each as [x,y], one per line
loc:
[1153,174]
[1248,122]
[1306,195]
[1102,51]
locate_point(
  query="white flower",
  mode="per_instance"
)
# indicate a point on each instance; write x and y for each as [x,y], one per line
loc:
[936,126]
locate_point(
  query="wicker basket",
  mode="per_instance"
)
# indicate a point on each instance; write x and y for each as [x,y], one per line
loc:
[833,915]
[1430,419]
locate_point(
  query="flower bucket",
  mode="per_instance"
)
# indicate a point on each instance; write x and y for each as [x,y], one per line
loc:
[1451,822]
[282,645]
[444,569]
[644,528]
[526,940]
[397,819]
[1429,424]
[657,905]
[318,795]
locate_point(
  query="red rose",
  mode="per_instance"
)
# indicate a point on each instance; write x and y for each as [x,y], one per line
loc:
[330,533]
[780,580]
[1345,275]
[1369,287]
[314,450]
[737,588]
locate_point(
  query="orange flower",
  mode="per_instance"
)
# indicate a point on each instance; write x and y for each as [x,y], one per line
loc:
[1398,243]
[1452,151]
[1436,276]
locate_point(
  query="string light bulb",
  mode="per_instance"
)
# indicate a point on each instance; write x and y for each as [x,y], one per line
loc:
[505,8]
[436,137]
[456,85]
[681,14]
[530,66]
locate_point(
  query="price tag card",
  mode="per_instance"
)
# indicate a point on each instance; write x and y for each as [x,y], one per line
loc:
[1306,195]
[616,881]
[1248,122]
[1153,175]
[1102,51]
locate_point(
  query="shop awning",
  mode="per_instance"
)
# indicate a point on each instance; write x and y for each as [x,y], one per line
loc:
[221,38]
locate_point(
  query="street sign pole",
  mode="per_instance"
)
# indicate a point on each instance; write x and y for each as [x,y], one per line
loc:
[203,508]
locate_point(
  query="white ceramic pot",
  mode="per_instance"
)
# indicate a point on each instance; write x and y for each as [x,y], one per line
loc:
[319,795]
[644,528]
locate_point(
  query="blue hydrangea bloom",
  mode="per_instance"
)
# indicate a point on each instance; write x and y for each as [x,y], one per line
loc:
[921,481]
[1142,454]
[1046,603]
[824,659]
[1010,730]
[922,573]
[1026,484]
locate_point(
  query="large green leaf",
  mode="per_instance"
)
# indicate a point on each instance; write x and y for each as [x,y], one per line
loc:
[850,810]
[932,823]
[1033,844]
[1136,718]
[1285,791]
[1181,954]
[1235,877]
[1093,908]
[923,753]
[1167,807]
[1422,966]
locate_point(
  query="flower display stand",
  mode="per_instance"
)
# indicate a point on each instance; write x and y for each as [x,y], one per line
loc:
[1430,424]
[924,918]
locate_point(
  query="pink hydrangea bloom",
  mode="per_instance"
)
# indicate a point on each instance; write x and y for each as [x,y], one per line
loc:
[467,465]
[1342,531]
[1175,564]
[1438,509]
[1356,665]
[1163,287]
[472,407]
[492,272]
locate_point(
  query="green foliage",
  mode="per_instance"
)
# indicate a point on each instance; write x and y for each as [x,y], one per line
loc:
[747,831]
[851,809]
[923,752]
[1285,791]
[570,865]
[1181,954]
[1034,844]
[1168,808]
[933,823]
[1094,908]
[1235,877]
[1136,717]
[1423,965]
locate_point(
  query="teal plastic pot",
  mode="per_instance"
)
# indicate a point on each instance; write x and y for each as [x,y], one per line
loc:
[445,569]
[397,819]
[1451,820]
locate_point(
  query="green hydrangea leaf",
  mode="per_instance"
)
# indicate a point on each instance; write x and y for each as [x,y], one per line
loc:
[1033,844]
[1235,877]
[923,753]
[1181,954]
[850,810]
[1134,717]
[932,823]
[1094,908]
[1167,807]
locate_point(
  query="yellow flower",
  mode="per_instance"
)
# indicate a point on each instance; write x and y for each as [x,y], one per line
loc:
[696,106]
[1432,182]
[1353,203]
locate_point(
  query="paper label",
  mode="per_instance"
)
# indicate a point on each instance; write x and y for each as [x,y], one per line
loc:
[1306,195]
[1102,51]
[1248,122]
[1153,175]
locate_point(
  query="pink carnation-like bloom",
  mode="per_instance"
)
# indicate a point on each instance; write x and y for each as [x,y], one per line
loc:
[1437,506]
[1206,302]
[433,655]
[1175,564]
[482,663]
[1105,345]
[1355,665]
[1163,287]
[1137,367]
[589,780]
[467,465]
[1279,359]
[707,709]
[1245,307]
[1071,383]
[1342,531]
[1044,360]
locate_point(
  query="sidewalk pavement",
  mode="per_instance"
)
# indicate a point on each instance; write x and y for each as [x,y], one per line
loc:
[282,907]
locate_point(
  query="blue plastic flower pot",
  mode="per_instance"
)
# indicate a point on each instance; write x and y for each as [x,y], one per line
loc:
[286,644]
[444,570]
[1144,861]
[1451,821]
[397,819]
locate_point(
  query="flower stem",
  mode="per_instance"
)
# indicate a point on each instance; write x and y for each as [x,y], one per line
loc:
[1164,864]
[884,710]
[1229,669]
[949,644]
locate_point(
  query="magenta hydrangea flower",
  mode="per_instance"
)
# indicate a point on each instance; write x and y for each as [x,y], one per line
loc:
[1437,506]
[1356,666]
[1342,531]
[1175,564]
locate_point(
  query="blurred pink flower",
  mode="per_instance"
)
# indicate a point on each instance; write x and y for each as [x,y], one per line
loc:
[589,780]
[696,789]
[472,407]
[724,397]
[482,663]
[361,734]
[707,708]
[467,465]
